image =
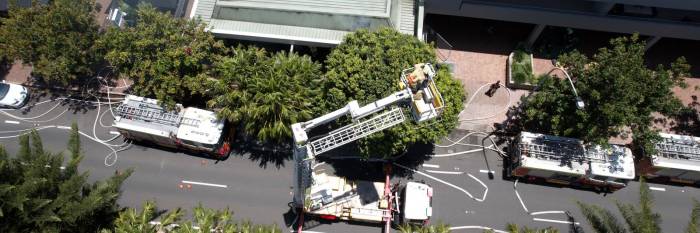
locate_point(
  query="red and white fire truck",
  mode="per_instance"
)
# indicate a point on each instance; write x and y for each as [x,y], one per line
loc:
[568,161]
[191,129]
[677,159]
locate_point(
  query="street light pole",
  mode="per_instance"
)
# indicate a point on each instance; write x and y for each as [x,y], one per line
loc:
[579,101]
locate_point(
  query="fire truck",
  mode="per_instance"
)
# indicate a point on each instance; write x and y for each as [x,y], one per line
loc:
[331,197]
[567,161]
[191,129]
[677,160]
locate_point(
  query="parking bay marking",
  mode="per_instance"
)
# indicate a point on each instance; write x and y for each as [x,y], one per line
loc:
[205,184]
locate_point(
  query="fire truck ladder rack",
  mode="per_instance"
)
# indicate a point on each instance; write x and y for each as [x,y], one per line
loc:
[560,151]
[353,132]
[145,114]
[679,149]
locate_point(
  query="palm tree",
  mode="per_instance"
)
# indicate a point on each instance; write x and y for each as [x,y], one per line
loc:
[639,219]
[266,93]
[513,228]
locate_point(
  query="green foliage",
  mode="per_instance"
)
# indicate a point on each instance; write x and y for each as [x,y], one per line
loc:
[440,227]
[56,39]
[513,228]
[265,92]
[166,57]
[205,220]
[36,195]
[366,67]
[602,220]
[521,68]
[619,92]
[693,225]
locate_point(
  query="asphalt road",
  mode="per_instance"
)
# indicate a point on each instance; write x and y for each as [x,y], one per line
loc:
[257,189]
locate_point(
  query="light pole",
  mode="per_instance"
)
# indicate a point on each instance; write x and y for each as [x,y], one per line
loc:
[579,101]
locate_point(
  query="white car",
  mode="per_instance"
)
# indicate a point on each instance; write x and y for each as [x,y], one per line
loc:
[13,95]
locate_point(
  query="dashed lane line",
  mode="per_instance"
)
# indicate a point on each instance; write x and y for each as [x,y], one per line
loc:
[445,172]
[431,165]
[476,227]
[658,189]
[486,171]
[205,184]
[555,221]
[12,122]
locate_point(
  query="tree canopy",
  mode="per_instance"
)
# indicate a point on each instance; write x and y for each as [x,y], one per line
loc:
[265,92]
[166,57]
[37,195]
[204,220]
[619,91]
[366,67]
[55,38]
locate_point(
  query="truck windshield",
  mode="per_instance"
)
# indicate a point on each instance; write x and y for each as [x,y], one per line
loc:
[4,88]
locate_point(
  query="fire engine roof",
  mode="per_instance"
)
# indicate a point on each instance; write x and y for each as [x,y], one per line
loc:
[147,116]
[200,126]
[619,164]
[678,152]
[551,153]
[417,201]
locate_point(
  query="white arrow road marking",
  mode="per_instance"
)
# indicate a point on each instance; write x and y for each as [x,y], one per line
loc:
[205,184]
[554,221]
[12,122]
[657,189]
[431,165]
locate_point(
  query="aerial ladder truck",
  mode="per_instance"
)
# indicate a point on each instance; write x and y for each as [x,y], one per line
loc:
[331,197]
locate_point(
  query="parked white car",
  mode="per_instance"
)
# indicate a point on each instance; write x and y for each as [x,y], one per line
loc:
[13,95]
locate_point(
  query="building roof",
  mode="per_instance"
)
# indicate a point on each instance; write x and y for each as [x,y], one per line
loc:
[307,22]
[372,8]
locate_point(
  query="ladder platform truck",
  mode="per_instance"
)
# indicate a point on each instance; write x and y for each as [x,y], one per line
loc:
[677,160]
[567,161]
[332,197]
[191,129]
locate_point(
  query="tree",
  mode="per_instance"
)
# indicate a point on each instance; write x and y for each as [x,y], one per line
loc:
[56,39]
[36,195]
[166,57]
[513,228]
[440,227]
[366,67]
[204,220]
[265,92]
[619,91]
[639,219]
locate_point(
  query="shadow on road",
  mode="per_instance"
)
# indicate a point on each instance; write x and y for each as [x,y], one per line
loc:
[265,154]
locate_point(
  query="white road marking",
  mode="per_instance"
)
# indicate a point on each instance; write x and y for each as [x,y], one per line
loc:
[63,127]
[486,191]
[63,168]
[554,221]
[548,212]
[114,132]
[441,181]
[476,227]
[486,171]
[431,165]
[12,122]
[657,189]
[205,184]
[445,172]
[518,195]
[457,153]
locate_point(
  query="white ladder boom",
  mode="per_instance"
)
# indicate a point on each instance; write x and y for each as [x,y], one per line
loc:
[148,114]
[353,132]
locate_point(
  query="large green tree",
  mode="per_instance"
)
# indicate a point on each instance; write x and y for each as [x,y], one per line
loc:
[55,38]
[166,57]
[619,91]
[204,220]
[640,218]
[37,195]
[366,67]
[265,92]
